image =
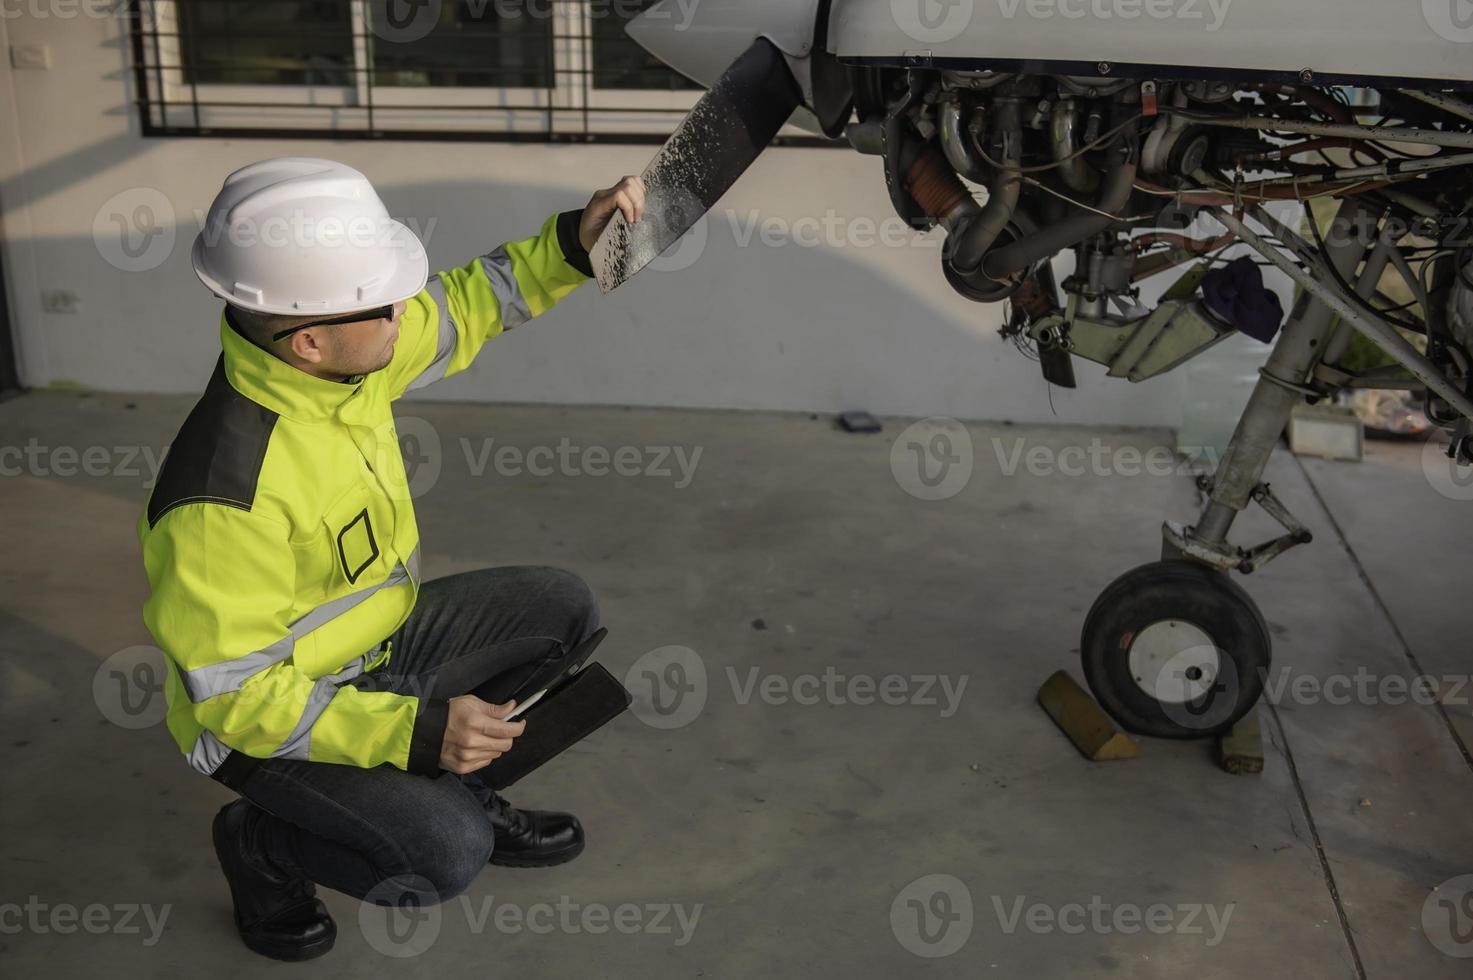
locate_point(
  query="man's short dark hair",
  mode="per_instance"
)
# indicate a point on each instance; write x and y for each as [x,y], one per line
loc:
[261,327]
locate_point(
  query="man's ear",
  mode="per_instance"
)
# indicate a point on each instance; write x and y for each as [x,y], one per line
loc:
[305,346]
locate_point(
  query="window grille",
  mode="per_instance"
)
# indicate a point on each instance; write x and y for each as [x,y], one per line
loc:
[511,70]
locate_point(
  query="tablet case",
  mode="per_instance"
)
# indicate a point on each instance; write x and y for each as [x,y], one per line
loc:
[582,704]
[556,671]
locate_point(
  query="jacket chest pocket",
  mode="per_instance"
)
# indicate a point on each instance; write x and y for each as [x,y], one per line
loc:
[357,546]
[358,532]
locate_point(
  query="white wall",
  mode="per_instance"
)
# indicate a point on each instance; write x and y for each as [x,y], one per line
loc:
[758,327]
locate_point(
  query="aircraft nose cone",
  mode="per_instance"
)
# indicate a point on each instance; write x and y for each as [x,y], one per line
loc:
[699,40]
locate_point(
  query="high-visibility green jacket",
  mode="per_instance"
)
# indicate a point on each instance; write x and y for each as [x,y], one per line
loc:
[280,540]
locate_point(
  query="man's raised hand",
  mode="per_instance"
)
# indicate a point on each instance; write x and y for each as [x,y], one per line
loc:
[626,196]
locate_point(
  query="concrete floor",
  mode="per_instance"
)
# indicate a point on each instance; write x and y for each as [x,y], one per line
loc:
[805,833]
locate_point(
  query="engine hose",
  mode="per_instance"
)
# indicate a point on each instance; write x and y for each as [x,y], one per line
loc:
[934,185]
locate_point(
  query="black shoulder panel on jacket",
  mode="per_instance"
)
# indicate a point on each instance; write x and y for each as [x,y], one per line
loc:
[218,452]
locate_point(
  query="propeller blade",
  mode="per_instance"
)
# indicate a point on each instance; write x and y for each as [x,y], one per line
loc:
[714,145]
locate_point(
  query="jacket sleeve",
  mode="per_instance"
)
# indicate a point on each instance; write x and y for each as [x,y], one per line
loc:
[221,587]
[445,325]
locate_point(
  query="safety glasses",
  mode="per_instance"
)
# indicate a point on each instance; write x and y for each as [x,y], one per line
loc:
[382,313]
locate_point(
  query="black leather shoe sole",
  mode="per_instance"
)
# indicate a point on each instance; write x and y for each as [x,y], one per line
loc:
[536,859]
[289,952]
[293,953]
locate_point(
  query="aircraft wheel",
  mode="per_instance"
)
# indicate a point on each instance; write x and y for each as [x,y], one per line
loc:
[1175,649]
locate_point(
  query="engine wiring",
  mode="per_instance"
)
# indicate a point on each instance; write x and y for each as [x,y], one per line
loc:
[1044,167]
[1087,207]
[1293,185]
[1295,144]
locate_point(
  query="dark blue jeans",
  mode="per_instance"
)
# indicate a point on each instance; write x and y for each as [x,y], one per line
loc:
[388,836]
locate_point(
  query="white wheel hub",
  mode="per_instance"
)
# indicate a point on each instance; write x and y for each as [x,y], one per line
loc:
[1174,661]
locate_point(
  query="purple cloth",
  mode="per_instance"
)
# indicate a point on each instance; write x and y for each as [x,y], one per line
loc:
[1236,293]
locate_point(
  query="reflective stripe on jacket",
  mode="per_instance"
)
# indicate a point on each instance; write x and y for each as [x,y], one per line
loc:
[280,540]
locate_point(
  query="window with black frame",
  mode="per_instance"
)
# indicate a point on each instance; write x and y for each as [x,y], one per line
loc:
[618,62]
[266,42]
[465,44]
[433,69]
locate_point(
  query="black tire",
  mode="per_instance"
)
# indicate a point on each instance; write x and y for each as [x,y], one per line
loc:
[1178,598]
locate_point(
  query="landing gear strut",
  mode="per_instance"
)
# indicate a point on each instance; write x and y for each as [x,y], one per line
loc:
[1176,649]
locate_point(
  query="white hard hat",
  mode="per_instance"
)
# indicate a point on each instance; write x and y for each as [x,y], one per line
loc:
[300,236]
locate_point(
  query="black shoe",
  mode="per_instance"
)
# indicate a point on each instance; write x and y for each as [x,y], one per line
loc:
[532,838]
[277,916]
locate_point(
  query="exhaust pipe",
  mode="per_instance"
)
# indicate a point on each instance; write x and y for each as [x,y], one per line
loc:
[957,139]
[1006,262]
[979,234]
[1072,170]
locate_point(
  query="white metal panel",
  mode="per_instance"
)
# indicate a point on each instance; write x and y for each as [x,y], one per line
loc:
[1386,38]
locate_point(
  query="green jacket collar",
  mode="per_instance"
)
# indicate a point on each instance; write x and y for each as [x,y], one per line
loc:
[269,381]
